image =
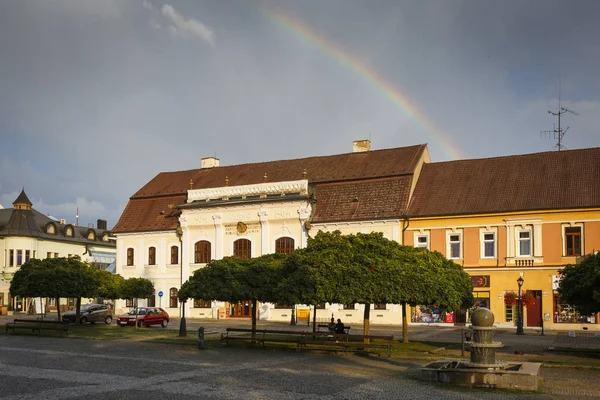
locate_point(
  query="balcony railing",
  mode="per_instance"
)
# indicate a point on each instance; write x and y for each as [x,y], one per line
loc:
[528,262]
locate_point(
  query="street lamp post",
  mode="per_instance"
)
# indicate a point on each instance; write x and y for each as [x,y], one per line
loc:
[182,323]
[520,308]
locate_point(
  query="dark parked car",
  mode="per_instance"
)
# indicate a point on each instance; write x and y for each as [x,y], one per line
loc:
[90,313]
[146,316]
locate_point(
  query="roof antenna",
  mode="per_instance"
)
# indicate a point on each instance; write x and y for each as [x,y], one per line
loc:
[558,133]
[77,217]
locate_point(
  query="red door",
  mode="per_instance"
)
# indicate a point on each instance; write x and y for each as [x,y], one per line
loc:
[534,310]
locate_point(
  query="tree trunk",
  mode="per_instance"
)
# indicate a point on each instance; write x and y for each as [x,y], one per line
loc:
[367,322]
[58,307]
[404,324]
[78,310]
[254,304]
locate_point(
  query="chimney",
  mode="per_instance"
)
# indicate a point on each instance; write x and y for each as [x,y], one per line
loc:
[63,221]
[210,162]
[360,146]
[101,224]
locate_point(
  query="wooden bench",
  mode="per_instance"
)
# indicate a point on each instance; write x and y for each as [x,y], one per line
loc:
[326,327]
[346,342]
[37,325]
[261,336]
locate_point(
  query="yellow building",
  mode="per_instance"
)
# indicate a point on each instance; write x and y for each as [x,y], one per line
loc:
[508,217]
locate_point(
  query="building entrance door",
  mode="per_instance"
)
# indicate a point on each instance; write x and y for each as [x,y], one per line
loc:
[534,309]
[241,309]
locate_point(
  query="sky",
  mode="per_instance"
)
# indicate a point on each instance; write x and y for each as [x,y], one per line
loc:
[98,97]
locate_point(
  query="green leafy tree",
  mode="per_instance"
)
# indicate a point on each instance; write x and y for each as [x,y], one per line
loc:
[108,285]
[580,285]
[55,278]
[136,288]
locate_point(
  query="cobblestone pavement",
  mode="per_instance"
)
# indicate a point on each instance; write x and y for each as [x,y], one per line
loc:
[55,368]
[579,342]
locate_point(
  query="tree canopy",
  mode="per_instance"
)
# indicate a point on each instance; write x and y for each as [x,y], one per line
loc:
[580,285]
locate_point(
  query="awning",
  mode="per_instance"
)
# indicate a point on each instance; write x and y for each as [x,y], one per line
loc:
[102,257]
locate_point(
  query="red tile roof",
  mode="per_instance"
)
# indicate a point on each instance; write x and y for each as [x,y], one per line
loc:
[541,181]
[362,200]
[143,210]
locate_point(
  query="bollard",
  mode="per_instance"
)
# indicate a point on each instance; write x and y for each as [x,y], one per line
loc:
[201,338]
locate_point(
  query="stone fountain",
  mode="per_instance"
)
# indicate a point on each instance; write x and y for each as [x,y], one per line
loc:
[483,370]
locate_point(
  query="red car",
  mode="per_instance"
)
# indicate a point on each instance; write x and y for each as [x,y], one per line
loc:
[146,316]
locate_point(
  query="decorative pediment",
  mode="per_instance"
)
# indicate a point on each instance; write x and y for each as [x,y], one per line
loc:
[243,191]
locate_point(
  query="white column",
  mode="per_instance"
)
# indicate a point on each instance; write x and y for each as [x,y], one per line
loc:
[304,214]
[185,258]
[264,231]
[219,232]
[396,233]
[140,258]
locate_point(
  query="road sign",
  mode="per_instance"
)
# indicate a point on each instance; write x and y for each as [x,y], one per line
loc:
[160,294]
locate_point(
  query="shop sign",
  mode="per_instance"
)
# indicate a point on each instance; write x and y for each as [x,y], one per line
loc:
[556,281]
[480,280]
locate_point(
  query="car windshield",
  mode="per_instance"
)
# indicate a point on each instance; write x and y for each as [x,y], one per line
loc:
[140,311]
[86,306]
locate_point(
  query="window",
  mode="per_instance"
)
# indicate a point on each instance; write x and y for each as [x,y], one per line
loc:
[91,235]
[508,313]
[51,301]
[105,237]
[573,241]
[69,231]
[51,229]
[33,254]
[152,300]
[12,258]
[242,248]
[27,255]
[284,245]
[129,303]
[49,254]
[55,255]
[174,255]
[201,303]
[379,306]
[202,252]
[283,306]
[489,245]
[130,256]
[454,245]
[422,241]
[152,256]
[19,258]
[524,243]
[349,306]
[173,297]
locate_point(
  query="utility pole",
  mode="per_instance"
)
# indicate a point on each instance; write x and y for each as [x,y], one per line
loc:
[558,132]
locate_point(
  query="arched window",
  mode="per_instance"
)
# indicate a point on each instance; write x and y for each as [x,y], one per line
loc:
[173,297]
[152,256]
[130,256]
[91,235]
[284,245]
[174,255]
[242,248]
[51,229]
[69,231]
[202,252]
[105,237]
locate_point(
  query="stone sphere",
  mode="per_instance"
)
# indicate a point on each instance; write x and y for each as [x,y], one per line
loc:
[482,317]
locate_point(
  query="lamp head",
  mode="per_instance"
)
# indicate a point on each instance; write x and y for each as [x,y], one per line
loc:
[520,281]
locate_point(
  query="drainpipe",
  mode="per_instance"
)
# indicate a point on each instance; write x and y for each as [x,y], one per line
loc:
[405,224]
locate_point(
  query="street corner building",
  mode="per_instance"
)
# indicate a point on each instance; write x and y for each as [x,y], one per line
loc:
[26,233]
[502,218]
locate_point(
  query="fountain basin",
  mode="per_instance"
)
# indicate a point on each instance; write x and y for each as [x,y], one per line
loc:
[520,376]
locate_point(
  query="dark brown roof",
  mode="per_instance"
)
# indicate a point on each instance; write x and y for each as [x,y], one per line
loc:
[361,200]
[149,214]
[22,199]
[143,212]
[541,181]
[341,167]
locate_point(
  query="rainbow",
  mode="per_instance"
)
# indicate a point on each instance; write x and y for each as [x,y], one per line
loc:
[370,76]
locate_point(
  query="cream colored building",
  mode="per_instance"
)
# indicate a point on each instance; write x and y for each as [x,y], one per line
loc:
[255,209]
[26,233]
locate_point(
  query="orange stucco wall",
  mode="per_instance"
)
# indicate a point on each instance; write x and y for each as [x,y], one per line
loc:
[591,237]
[502,245]
[471,246]
[438,240]
[552,243]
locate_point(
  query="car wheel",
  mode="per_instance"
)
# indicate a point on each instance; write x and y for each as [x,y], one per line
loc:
[83,321]
[122,325]
[108,320]
[164,323]
[141,324]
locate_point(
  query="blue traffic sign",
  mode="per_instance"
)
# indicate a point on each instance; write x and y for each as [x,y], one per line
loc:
[160,294]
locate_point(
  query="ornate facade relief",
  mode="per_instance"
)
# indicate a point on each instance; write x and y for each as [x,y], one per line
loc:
[258,189]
